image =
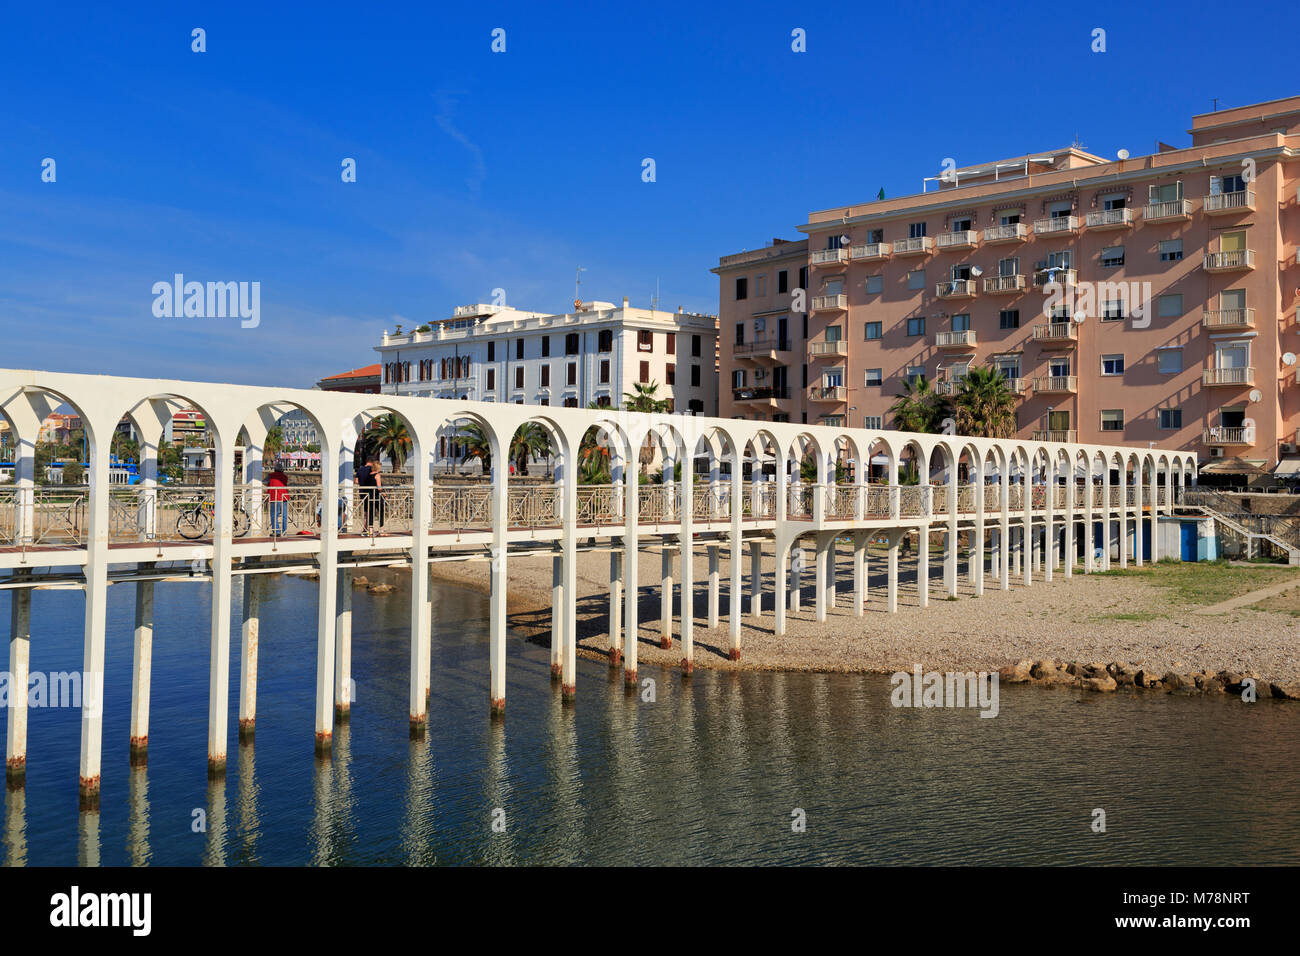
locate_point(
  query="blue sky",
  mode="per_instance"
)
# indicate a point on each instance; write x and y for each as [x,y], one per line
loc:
[478,170]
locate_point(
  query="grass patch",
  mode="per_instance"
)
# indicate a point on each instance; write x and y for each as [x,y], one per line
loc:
[1207,582]
[1132,616]
[1288,602]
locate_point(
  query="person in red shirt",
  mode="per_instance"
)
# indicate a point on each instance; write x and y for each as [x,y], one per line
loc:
[277,494]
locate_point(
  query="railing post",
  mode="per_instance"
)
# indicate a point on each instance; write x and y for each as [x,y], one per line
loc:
[20,643]
[687,557]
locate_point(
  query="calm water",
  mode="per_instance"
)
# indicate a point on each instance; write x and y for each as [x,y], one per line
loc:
[709,773]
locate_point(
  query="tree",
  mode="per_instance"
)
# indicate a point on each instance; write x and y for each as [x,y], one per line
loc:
[985,406]
[476,444]
[644,397]
[530,440]
[125,448]
[391,437]
[272,446]
[919,408]
[73,473]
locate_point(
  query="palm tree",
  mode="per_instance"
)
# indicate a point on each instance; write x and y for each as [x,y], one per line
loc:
[531,440]
[390,435]
[919,408]
[985,406]
[273,445]
[644,398]
[476,443]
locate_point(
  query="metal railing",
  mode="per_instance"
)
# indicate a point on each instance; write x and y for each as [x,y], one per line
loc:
[1009,283]
[1008,232]
[870,250]
[1228,318]
[1231,260]
[1171,209]
[1056,224]
[957,240]
[1109,217]
[1228,376]
[1243,199]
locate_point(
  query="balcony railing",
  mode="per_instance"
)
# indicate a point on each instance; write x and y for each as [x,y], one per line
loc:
[1230,435]
[827,256]
[1243,200]
[765,394]
[948,386]
[830,303]
[1109,219]
[1056,434]
[1065,277]
[1228,318]
[1011,232]
[1236,260]
[1057,383]
[1017,384]
[764,343]
[913,247]
[840,347]
[870,250]
[1056,225]
[961,339]
[1167,211]
[828,393]
[1060,332]
[1004,284]
[1228,376]
[955,289]
[966,239]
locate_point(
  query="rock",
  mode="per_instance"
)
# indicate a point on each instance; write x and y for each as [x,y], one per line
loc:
[1144,678]
[1016,673]
[1124,675]
[380,588]
[1044,670]
[1208,683]
[1075,669]
[360,581]
[1095,670]
[1104,683]
[1173,680]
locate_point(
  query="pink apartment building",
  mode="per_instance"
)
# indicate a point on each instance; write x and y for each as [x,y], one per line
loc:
[1146,299]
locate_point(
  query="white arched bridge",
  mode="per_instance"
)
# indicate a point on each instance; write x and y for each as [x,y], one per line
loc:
[726,485]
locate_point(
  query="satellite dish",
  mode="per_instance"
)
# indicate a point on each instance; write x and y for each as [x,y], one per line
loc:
[1122,154]
[845,240]
[1288,358]
[976,271]
[1256,395]
[1080,316]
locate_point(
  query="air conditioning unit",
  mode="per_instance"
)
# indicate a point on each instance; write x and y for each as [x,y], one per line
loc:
[1216,452]
[1287,448]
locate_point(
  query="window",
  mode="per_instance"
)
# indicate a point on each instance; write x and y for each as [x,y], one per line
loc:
[1169,306]
[544,402]
[738,378]
[672,343]
[961,225]
[670,374]
[875,422]
[803,277]
[1112,310]
[915,372]
[695,346]
[546,346]
[645,341]
[832,333]
[961,322]
[572,373]
[645,373]
[1226,184]
[1009,319]
[1171,418]
[696,405]
[519,376]
[742,288]
[546,375]
[695,376]
[604,371]
[1169,361]
[873,377]
[916,230]
[1114,201]
[605,340]
[1009,217]
[916,326]
[519,348]
[783,281]
[875,236]
[571,343]
[874,330]
[1112,365]
[1171,250]
[916,279]
[1059,209]
[570,403]
[491,376]
[492,352]
[1112,256]
[1168,192]
[1009,267]
[1112,419]
[875,284]
[1008,365]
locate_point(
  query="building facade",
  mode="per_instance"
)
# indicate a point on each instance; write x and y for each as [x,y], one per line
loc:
[359,380]
[1148,299]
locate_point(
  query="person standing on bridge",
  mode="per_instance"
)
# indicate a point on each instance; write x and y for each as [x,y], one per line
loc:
[371,482]
[277,496]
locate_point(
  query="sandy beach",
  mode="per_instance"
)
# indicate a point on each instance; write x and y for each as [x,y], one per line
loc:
[1132,618]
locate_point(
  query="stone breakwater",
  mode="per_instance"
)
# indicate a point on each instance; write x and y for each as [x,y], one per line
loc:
[1106,678]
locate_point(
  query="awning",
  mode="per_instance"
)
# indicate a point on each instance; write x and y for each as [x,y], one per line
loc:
[1231,466]
[1288,468]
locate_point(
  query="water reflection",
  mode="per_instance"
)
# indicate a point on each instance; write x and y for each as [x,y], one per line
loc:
[15,828]
[137,796]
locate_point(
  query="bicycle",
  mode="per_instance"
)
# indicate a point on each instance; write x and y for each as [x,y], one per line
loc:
[197,518]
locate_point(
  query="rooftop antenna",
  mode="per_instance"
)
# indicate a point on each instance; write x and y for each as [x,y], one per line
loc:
[1215,101]
[654,303]
[577,281]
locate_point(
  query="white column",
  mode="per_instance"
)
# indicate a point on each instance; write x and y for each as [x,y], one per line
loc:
[327,611]
[665,596]
[821,560]
[631,532]
[780,554]
[859,573]
[756,579]
[1137,515]
[734,609]
[615,607]
[20,646]
[557,615]
[686,555]
[141,670]
[975,563]
[797,561]
[96,590]
[569,547]
[923,565]
[497,607]
[343,647]
[249,623]
[1122,516]
[1049,521]
[891,602]
[713,585]
[950,547]
[420,617]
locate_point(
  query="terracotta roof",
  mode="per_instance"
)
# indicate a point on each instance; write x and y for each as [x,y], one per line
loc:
[364,372]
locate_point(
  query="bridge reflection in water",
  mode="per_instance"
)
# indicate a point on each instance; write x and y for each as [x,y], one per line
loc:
[1024,507]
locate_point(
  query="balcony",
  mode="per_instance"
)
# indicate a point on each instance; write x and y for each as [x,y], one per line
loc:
[1109,219]
[1003,285]
[828,393]
[955,289]
[962,339]
[762,349]
[869,251]
[1056,225]
[1225,204]
[1045,277]
[830,303]
[948,386]
[966,239]
[1228,376]
[1016,384]
[1056,384]
[764,396]
[1057,334]
[1068,435]
[1228,319]
[1170,211]
[1230,435]
[1011,232]
[823,349]
[1237,260]
[826,257]
[919,246]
